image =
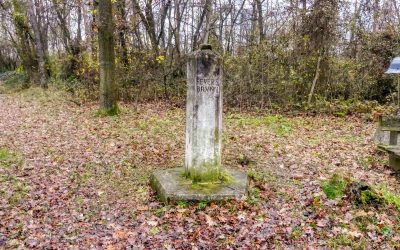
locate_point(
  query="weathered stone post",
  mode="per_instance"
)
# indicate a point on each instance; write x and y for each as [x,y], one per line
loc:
[202,178]
[203,115]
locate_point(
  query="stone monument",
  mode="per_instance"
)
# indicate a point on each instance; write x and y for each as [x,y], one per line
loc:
[204,115]
[203,177]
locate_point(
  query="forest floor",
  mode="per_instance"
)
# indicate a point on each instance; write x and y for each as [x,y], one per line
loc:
[72,179]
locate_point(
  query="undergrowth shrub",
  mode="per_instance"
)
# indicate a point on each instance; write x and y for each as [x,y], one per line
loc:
[13,81]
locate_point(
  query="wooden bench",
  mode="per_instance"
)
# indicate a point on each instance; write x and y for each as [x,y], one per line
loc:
[391,124]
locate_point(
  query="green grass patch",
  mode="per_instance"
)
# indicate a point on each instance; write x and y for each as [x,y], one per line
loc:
[154,230]
[362,222]
[386,231]
[339,114]
[13,189]
[344,240]
[8,158]
[367,162]
[334,187]
[262,176]
[279,124]
[391,198]
[202,205]
[182,204]
[254,196]
[296,233]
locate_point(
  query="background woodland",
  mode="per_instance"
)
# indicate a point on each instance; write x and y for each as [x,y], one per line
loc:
[277,54]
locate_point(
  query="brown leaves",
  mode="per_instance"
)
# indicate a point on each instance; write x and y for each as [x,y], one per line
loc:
[86,181]
[210,221]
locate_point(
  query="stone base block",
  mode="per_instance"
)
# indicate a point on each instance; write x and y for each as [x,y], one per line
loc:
[394,162]
[171,185]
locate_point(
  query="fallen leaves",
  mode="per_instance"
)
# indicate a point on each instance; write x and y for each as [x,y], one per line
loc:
[88,181]
[210,221]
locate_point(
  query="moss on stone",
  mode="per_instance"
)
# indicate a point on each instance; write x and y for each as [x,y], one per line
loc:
[173,185]
[206,172]
[113,111]
[207,181]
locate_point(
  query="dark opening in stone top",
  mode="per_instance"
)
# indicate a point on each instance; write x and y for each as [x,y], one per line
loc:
[205,47]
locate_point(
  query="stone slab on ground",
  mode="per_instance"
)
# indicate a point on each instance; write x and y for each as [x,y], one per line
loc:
[171,185]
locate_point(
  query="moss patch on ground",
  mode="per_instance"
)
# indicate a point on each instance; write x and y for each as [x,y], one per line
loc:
[334,188]
[113,111]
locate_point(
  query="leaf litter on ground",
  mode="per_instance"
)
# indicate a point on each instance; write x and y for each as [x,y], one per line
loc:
[81,181]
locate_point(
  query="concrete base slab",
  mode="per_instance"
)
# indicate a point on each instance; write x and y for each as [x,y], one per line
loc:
[171,185]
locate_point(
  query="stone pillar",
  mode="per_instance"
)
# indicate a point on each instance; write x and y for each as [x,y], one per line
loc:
[203,115]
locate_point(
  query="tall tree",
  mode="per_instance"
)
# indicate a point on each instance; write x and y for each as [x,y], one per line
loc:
[147,18]
[260,20]
[108,88]
[25,44]
[38,27]
[72,46]
[206,13]
[122,30]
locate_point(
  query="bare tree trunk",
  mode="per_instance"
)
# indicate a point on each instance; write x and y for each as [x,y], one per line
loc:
[375,16]
[122,32]
[164,12]
[108,88]
[200,23]
[94,30]
[254,24]
[260,20]
[209,11]
[397,11]
[233,22]
[87,26]
[38,45]
[136,19]
[315,80]
[25,47]
[177,28]
[79,32]
[148,21]
[60,11]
